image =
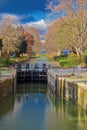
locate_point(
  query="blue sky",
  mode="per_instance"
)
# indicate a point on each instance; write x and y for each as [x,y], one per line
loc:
[30,12]
[33,10]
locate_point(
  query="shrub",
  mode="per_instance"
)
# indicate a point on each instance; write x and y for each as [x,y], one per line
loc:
[85,59]
[62,63]
[73,59]
[7,62]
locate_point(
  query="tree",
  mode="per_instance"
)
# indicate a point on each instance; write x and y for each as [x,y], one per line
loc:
[10,32]
[1,45]
[51,45]
[74,60]
[21,46]
[73,14]
[30,42]
[37,42]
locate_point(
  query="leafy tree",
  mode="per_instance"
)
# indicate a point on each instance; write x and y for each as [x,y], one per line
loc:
[1,45]
[85,57]
[21,46]
[15,37]
[37,46]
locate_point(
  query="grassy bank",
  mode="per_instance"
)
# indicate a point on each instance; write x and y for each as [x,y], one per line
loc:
[70,60]
[6,62]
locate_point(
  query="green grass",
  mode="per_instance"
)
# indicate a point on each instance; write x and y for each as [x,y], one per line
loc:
[6,71]
[67,64]
[63,61]
[6,62]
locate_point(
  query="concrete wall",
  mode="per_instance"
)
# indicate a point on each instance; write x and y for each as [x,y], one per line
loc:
[82,95]
[7,84]
[74,90]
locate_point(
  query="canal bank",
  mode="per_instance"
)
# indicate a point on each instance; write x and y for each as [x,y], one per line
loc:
[73,88]
[60,80]
[7,82]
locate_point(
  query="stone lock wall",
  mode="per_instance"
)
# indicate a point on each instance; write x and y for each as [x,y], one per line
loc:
[82,95]
[74,90]
[5,87]
[7,84]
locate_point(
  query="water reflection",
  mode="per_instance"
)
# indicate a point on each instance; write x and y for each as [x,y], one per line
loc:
[34,107]
[6,106]
[27,90]
[31,88]
[69,115]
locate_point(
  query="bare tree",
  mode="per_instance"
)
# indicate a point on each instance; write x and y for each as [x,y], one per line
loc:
[10,32]
[73,14]
[30,42]
[37,43]
[51,44]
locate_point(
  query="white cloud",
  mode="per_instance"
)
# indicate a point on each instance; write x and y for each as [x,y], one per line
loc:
[40,25]
[12,16]
[16,17]
[43,41]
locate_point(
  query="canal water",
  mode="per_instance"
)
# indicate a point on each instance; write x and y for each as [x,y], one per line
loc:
[34,107]
[45,60]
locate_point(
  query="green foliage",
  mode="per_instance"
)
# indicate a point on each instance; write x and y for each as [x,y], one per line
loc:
[85,52]
[60,57]
[73,59]
[6,71]
[82,59]
[65,63]
[85,57]
[1,44]
[7,62]
[64,35]
[62,63]
[21,47]
[70,60]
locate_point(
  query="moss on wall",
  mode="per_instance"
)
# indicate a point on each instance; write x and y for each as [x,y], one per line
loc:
[72,88]
[7,84]
[82,95]
[5,87]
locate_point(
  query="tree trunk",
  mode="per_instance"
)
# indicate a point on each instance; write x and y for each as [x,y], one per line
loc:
[77,51]
[0,54]
[8,53]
